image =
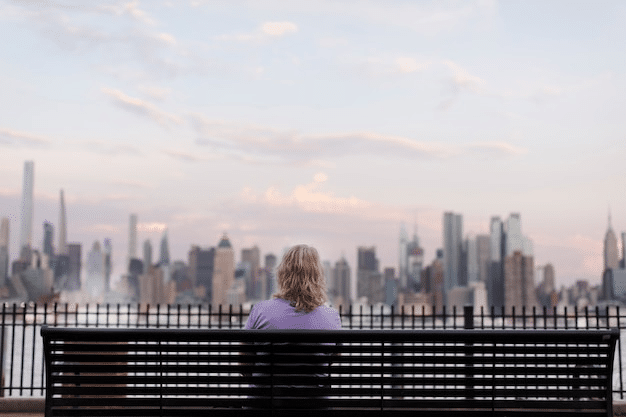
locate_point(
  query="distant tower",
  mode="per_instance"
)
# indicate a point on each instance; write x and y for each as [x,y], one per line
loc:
[224,270]
[62,248]
[271,285]
[108,251]
[611,256]
[4,251]
[251,257]
[94,278]
[343,282]
[74,252]
[147,254]
[132,238]
[403,256]
[370,282]
[26,231]
[452,246]
[415,263]
[48,236]
[164,258]
[201,266]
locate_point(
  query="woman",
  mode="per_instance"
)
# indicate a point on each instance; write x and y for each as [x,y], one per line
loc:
[299,304]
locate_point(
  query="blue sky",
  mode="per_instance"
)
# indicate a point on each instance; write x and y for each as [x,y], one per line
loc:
[324,122]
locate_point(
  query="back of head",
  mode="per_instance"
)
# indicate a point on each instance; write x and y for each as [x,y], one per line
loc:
[301,278]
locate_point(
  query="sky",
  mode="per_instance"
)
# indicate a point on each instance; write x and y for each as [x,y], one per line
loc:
[323,122]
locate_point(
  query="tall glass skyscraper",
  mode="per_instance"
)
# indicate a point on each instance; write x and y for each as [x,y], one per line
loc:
[26,229]
[452,246]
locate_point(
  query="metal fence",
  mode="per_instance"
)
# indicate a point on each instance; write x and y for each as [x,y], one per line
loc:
[22,363]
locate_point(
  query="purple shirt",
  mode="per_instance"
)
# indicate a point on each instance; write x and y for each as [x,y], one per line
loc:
[279,314]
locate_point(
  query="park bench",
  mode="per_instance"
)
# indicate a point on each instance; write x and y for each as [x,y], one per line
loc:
[193,372]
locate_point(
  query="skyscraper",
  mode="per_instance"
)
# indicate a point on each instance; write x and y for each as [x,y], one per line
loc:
[108,255]
[611,257]
[62,248]
[495,281]
[94,277]
[74,270]
[48,236]
[370,282]
[132,237]
[201,265]
[415,263]
[271,285]
[26,230]
[452,247]
[251,257]
[403,260]
[164,258]
[343,282]
[4,251]
[224,270]
[519,281]
[514,239]
[147,254]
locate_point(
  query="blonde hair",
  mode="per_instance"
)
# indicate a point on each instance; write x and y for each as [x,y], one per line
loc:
[301,278]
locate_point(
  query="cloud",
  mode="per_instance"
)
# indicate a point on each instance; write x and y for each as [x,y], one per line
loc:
[308,198]
[498,147]
[155,93]
[128,9]
[151,227]
[142,108]
[407,65]
[112,149]
[184,156]
[14,137]
[271,145]
[278,28]
[265,31]
[131,183]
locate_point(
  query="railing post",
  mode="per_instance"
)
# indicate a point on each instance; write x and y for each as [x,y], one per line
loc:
[468,314]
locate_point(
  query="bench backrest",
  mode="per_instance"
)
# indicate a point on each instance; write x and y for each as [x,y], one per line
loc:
[351,372]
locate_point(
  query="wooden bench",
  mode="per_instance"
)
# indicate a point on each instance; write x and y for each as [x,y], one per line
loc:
[174,372]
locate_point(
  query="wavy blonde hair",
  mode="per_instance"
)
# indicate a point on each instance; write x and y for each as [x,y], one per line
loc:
[301,278]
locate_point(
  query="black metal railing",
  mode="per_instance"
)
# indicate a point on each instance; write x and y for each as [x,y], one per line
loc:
[22,364]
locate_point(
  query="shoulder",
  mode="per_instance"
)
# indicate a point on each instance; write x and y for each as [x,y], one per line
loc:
[267,305]
[331,315]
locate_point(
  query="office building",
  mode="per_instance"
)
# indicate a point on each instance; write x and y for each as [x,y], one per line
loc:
[611,257]
[251,259]
[343,287]
[483,254]
[62,247]
[271,282]
[94,272]
[132,238]
[403,258]
[147,253]
[48,236]
[201,266]
[370,282]
[452,250]
[108,256]
[73,282]
[519,282]
[224,271]
[26,212]
[4,251]
[415,264]
[164,256]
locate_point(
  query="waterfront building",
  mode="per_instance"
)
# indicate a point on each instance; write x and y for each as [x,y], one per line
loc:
[108,253]
[369,279]
[224,271]
[483,255]
[26,230]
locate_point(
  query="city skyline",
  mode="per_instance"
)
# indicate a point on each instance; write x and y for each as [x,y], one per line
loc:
[327,123]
